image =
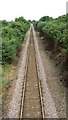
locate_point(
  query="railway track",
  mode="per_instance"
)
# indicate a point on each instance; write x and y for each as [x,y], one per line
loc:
[31,101]
[31,98]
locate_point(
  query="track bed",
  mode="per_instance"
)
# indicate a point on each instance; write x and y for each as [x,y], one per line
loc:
[32,105]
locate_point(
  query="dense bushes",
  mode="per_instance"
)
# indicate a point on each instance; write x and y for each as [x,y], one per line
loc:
[13,34]
[54,29]
[55,32]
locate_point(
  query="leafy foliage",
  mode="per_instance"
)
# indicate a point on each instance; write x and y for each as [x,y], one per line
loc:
[54,29]
[13,34]
[46,18]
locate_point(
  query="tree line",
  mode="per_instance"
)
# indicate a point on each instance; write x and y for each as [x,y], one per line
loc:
[13,34]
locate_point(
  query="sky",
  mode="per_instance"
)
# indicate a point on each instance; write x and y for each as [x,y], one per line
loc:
[31,9]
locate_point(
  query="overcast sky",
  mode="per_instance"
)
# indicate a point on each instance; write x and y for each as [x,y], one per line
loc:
[31,9]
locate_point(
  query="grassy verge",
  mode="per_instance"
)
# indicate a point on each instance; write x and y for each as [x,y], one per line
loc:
[5,78]
[4,82]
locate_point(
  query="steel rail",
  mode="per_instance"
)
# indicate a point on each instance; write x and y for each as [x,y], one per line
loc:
[24,90]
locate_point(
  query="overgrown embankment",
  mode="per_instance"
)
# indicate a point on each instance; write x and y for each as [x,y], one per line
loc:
[56,40]
[13,34]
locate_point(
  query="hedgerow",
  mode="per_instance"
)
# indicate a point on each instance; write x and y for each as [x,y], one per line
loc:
[56,29]
[13,34]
